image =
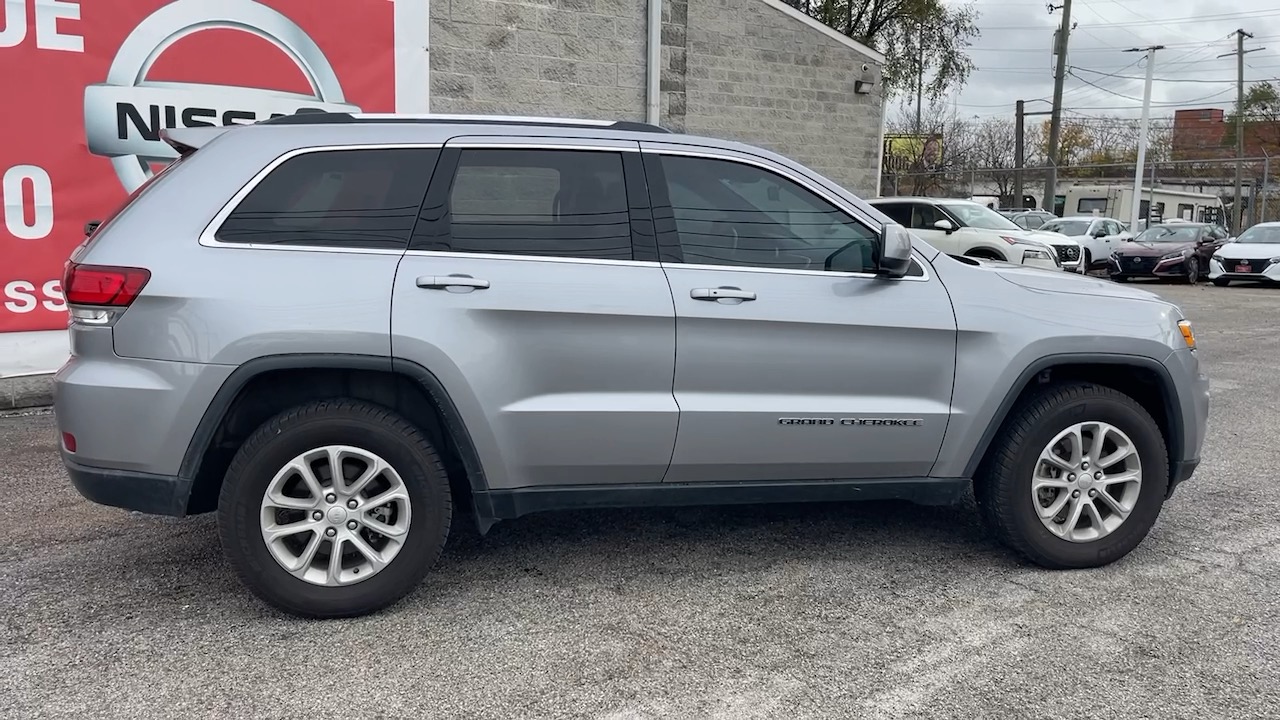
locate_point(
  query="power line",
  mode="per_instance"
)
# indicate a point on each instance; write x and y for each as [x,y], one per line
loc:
[1138,100]
[1185,20]
[1176,80]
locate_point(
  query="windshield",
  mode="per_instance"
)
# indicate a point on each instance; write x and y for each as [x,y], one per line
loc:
[1067,227]
[1170,234]
[980,216]
[1261,235]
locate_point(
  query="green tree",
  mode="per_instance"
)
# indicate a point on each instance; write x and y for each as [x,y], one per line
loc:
[925,42]
[1261,117]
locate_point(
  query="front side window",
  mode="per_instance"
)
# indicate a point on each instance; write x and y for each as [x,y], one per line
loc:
[554,203]
[730,213]
[357,199]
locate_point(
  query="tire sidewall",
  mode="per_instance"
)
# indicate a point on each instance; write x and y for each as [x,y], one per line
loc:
[264,457]
[1155,473]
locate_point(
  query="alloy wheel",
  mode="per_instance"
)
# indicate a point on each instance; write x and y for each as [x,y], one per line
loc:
[335,515]
[1086,482]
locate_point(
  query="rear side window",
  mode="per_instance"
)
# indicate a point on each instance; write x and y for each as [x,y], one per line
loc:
[534,202]
[897,212]
[358,199]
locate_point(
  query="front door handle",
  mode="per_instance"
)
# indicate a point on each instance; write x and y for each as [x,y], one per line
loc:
[727,295]
[452,283]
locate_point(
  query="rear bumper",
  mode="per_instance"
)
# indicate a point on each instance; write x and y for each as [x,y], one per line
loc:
[152,494]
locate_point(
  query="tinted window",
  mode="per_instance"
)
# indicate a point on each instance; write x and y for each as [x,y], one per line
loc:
[341,198]
[562,203]
[729,213]
[898,212]
[1031,222]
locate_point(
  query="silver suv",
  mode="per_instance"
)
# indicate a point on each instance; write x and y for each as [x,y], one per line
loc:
[338,331]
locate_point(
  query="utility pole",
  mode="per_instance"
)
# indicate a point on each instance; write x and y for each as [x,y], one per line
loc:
[1018,155]
[1055,122]
[1020,150]
[1142,138]
[1237,209]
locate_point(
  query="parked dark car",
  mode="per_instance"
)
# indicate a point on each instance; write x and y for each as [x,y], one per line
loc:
[1174,250]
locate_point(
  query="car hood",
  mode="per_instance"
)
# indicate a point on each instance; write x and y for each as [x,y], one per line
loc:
[1053,238]
[1241,251]
[1137,249]
[1071,283]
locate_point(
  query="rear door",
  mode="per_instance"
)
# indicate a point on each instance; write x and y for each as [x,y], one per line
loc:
[794,362]
[532,291]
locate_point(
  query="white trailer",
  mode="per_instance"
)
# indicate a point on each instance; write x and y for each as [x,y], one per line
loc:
[1158,205]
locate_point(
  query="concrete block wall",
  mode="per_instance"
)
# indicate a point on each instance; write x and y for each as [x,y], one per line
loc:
[561,58]
[759,75]
[735,69]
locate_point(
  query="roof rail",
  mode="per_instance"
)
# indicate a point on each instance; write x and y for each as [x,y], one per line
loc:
[320,117]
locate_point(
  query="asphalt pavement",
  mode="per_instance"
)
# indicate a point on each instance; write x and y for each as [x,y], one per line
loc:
[881,610]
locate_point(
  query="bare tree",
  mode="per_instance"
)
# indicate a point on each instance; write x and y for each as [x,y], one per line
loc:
[993,151]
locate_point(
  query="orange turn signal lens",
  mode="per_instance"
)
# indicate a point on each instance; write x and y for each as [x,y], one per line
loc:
[1188,336]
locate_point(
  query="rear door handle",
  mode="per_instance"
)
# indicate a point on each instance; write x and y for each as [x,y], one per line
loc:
[722,293]
[452,283]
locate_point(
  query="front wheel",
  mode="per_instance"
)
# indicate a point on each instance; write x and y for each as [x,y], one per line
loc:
[1077,478]
[1193,271]
[336,508]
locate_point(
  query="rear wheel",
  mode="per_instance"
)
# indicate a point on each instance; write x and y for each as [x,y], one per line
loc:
[333,509]
[1077,478]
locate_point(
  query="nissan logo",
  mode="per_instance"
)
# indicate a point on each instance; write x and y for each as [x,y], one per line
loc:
[123,116]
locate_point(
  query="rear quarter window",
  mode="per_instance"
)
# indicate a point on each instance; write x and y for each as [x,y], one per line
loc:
[358,199]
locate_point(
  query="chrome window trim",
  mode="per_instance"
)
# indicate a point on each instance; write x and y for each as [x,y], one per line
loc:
[540,143]
[208,237]
[764,164]
[530,258]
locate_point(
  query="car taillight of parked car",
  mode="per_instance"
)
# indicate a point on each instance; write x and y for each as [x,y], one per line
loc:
[103,285]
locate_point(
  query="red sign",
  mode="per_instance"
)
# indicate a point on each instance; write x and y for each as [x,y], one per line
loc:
[87,85]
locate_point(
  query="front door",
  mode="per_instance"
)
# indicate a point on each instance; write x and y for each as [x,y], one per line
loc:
[793,361]
[527,293]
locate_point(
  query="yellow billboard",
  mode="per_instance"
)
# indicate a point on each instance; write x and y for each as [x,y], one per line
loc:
[912,153]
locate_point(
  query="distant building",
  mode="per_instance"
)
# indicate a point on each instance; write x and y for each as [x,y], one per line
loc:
[1203,134]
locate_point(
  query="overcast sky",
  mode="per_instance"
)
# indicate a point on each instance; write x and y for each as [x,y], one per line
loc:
[1014,59]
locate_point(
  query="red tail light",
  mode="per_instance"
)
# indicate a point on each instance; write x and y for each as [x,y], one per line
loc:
[103,285]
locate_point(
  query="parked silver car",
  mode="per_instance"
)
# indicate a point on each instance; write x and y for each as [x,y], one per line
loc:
[341,332]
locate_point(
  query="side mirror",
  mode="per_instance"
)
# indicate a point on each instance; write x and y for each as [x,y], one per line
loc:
[1100,232]
[895,250]
[945,225]
[90,226]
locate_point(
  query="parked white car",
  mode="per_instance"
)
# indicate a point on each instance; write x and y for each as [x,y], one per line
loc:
[964,227]
[1098,236]
[1254,255]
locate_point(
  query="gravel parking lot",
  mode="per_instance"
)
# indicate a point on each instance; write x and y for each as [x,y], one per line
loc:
[860,610]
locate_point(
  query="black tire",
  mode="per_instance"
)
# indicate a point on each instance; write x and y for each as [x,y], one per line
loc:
[1086,261]
[1221,282]
[328,422]
[1003,485]
[1193,271]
